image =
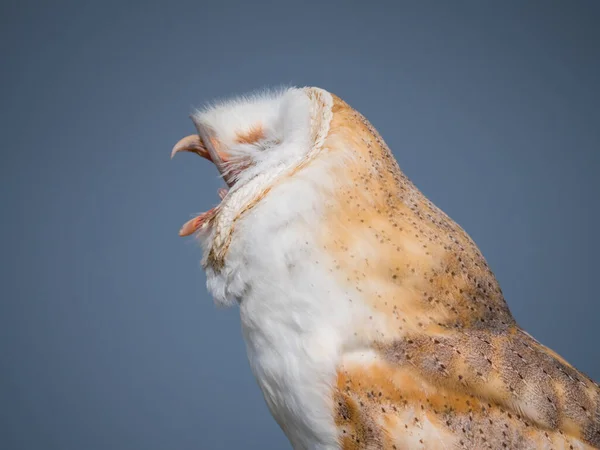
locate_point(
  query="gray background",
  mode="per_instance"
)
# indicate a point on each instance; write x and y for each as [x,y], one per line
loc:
[108,339]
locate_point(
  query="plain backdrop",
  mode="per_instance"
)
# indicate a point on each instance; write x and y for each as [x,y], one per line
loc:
[108,339]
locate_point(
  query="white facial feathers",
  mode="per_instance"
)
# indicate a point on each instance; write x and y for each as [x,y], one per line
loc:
[262,137]
[249,128]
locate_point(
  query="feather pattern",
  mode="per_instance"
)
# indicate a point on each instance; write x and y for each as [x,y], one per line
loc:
[371,319]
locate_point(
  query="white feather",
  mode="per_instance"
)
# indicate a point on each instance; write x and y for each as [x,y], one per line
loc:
[296,320]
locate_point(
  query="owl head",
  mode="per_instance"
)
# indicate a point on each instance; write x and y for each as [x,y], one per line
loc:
[254,142]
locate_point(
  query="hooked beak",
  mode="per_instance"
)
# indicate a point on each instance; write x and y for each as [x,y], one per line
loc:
[206,145]
[190,143]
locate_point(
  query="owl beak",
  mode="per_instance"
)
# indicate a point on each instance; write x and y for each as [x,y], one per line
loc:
[191,143]
[206,145]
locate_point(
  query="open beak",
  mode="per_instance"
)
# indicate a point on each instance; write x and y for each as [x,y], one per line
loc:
[206,145]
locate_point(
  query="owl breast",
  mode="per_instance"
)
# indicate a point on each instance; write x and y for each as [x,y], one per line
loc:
[296,317]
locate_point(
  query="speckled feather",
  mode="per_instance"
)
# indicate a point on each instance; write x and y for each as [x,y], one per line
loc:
[371,319]
[451,355]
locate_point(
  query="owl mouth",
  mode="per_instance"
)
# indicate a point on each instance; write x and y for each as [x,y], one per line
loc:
[204,144]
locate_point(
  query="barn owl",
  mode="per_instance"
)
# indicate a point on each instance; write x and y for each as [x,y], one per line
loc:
[371,319]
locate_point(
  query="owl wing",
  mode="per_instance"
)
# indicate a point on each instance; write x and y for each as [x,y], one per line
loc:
[440,361]
[466,390]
